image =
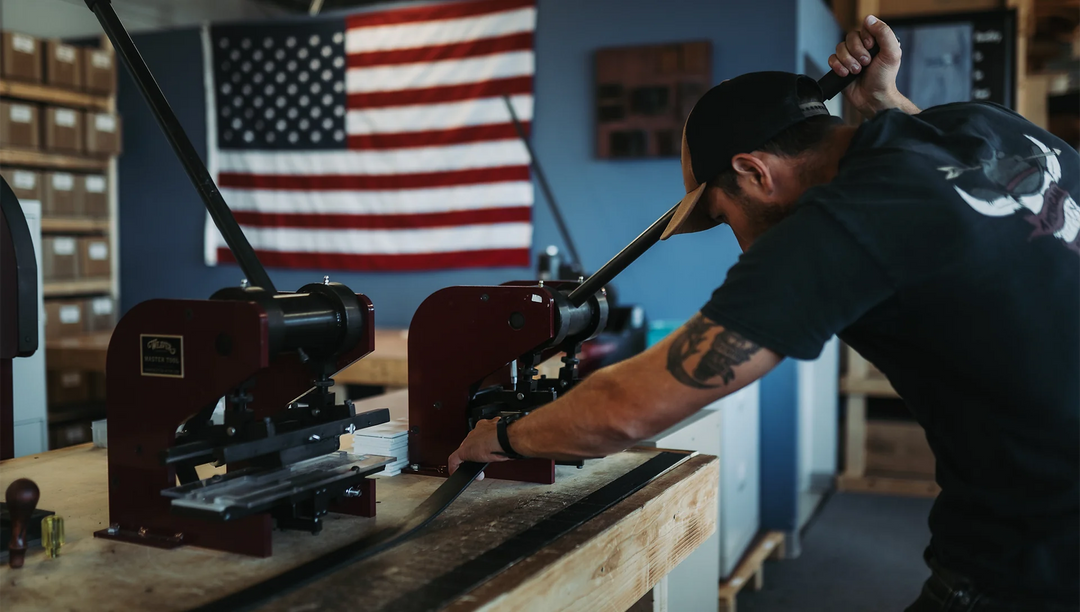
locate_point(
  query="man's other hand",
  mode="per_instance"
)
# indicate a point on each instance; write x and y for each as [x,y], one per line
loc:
[481,445]
[876,90]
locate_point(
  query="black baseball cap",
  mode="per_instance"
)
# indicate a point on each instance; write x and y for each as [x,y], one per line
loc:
[737,116]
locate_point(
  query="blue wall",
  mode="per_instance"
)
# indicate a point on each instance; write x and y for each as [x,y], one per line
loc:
[607,203]
[162,217]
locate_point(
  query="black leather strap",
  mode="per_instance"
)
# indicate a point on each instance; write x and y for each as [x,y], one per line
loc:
[504,438]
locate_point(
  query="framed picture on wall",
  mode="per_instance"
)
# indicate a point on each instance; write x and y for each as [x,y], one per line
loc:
[643,95]
[958,57]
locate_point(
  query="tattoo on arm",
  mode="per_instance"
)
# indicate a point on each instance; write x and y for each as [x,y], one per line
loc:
[727,350]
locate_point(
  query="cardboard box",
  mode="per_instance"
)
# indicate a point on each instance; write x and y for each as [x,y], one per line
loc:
[94,260]
[100,314]
[59,258]
[20,57]
[19,125]
[96,196]
[63,65]
[102,134]
[67,387]
[99,71]
[70,433]
[25,183]
[63,130]
[63,319]
[62,194]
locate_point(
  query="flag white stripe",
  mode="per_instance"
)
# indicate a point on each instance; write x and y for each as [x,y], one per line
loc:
[380,162]
[212,238]
[403,201]
[436,74]
[441,32]
[446,116]
[391,242]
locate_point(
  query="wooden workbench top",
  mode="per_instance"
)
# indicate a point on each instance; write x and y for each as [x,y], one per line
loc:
[605,564]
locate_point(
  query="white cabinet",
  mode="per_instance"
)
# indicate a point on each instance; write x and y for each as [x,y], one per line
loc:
[31,429]
[728,429]
[739,475]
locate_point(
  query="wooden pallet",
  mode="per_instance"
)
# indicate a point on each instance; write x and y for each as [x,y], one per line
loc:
[751,570]
[881,456]
[887,485]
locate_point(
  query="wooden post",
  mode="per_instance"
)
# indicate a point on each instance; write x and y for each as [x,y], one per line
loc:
[866,7]
[855,421]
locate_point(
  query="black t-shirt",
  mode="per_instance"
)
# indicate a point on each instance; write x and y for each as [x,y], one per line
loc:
[946,252]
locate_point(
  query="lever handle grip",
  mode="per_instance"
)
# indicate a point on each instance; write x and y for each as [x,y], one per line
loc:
[832,83]
[22,498]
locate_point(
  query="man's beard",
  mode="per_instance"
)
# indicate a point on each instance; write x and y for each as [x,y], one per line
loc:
[763,216]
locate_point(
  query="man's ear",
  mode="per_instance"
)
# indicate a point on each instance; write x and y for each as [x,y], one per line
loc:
[753,174]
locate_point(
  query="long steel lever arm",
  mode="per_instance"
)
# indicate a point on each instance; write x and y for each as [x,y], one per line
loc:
[181,144]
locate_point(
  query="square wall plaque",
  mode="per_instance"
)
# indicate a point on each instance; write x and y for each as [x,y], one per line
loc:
[643,95]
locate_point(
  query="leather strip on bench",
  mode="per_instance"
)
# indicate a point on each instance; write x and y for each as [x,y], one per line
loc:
[446,588]
[363,548]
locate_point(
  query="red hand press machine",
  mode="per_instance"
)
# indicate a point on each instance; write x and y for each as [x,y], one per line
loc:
[268,355]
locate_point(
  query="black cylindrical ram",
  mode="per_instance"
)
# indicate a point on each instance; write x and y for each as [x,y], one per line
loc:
[579,323]
[578,318]
[309,322]
[321,319]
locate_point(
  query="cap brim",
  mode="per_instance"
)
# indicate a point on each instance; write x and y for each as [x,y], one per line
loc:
[691,216]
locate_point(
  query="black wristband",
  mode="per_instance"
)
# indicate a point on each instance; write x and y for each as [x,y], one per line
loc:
[504,438]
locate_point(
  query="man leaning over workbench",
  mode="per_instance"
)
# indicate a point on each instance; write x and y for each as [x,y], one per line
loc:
[942,245]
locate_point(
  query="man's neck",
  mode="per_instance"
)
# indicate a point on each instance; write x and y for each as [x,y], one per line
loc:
[835,148]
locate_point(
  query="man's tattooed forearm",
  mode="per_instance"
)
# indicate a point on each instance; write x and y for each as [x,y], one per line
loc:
[727,350]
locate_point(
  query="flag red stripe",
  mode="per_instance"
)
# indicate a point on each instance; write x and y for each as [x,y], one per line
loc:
[522,41]
[490,258]
[455,10]
[356,182]
[435,138]
[402,221]
[444,93]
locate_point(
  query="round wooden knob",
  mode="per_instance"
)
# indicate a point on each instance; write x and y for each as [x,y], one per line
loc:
[22,498]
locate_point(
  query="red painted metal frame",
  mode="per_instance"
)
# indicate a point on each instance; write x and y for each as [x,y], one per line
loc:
[460,336]
[364,505]
[145,411]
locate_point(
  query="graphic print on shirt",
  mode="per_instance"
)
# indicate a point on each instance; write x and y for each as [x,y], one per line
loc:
[1024,182]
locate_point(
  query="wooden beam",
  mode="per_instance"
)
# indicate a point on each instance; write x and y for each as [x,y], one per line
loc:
[872,387]
[61,225]
[77,287]
[50,161]
[52,95]
[855,435]
[612,561]
[751,569]
[887,485]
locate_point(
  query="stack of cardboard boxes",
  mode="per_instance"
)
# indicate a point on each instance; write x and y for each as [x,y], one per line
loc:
[35,71]
[26,125]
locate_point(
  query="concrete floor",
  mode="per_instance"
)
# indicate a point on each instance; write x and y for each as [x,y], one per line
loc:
[861,553]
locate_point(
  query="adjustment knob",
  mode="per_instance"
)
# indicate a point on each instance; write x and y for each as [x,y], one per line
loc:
[22,499]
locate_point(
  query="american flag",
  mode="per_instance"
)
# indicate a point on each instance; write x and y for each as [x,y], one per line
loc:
[378,140]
